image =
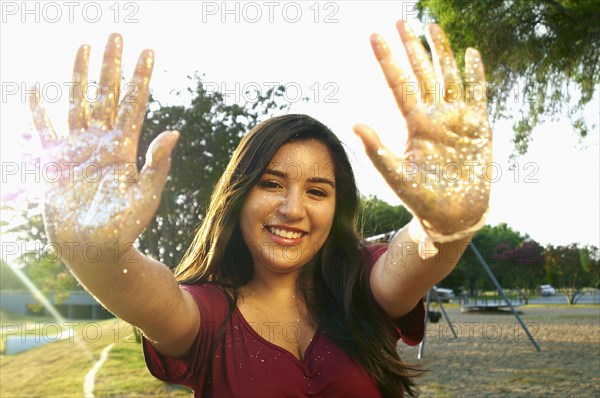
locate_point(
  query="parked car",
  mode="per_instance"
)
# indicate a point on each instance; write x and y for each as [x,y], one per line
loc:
[444,294]
[547,290]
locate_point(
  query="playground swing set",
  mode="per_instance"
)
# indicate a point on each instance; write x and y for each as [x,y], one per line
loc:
[466,305]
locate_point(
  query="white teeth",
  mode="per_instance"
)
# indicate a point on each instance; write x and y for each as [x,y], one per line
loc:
[285,234]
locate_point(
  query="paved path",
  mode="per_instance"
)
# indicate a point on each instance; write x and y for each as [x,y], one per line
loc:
[561,299]
[90,377]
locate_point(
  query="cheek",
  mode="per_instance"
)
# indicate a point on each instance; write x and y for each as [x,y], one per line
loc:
[255,212]
[245,228]
[323,218]
[247,218]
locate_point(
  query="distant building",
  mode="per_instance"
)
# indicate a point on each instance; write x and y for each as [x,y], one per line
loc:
[78,305]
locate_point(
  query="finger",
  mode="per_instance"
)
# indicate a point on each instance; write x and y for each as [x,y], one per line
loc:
[384,160]
[104,108]
[40,120]
[133,106]
[158,163]
[475,86]
[403,90]
[444,64]
[79,112]
[419,61]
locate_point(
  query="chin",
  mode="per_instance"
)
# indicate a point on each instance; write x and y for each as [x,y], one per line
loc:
[282,259]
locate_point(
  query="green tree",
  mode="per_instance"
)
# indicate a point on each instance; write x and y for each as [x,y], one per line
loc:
[377,216]
[50,275]
[544,51]
[8,279]
[469,273]
[38,260]
[571,268]
[523,266]
[210,131]
[591,264]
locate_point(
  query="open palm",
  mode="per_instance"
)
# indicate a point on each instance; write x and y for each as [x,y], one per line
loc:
[441,176]
[97,195]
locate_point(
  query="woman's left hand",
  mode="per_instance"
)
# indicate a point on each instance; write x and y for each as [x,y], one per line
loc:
[441,177]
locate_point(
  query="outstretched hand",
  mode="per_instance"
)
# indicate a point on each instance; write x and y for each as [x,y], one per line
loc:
[97,193]
[441,175]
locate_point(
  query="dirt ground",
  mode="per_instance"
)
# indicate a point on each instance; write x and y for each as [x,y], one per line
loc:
[493,356]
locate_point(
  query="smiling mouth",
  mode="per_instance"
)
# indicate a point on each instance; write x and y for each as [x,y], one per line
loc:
[285,234]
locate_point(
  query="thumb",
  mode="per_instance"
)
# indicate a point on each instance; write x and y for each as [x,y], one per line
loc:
[369,138]
[158,163]
[384,160]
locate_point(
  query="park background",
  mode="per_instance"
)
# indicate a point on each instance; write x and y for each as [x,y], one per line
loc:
[221,67]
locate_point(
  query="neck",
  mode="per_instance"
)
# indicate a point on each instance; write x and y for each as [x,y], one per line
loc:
[277,294]
[279,289]
[278,286]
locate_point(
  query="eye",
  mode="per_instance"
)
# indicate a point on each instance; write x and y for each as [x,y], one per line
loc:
[269,184]
[317,192]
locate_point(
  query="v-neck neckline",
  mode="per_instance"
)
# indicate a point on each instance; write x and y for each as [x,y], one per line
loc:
[306,354]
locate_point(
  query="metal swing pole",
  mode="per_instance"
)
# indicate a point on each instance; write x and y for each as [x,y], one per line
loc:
[501,291]
[437,298]
[421,351]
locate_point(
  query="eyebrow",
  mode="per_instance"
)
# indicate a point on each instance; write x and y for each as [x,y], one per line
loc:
[283,174]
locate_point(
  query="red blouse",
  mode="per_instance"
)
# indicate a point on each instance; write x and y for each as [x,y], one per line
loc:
[245,364]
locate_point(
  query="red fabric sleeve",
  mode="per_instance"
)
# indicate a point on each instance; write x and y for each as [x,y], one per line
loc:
[189,370]
[411,326]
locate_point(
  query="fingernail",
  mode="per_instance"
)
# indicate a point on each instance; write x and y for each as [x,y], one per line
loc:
[161,148]
[172,140]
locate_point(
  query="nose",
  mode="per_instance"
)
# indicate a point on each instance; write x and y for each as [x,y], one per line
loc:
[292,206]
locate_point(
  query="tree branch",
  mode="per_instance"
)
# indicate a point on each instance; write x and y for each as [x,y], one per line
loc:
[560,8]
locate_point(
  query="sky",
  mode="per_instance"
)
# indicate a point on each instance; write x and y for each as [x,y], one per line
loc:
[319,50]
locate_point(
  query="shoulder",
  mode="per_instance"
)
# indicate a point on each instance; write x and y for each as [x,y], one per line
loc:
[371,253]
[211,299]
[205,289]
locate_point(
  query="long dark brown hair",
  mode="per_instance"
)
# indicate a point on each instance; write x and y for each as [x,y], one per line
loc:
[333,282]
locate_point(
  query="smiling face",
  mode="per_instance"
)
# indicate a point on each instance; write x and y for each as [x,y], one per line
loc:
[288,214]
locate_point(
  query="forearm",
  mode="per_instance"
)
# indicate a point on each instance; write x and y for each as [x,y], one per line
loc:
[135,288]
[401,277]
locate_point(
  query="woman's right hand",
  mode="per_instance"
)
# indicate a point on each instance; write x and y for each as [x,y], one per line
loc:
[97,195]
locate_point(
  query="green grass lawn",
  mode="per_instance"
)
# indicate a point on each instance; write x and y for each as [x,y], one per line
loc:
[58,369]
[125,374]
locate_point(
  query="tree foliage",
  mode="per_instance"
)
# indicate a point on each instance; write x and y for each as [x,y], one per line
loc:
[570,268]
[39,261]
[378,217]
[469,272]
[51,276]
[523,266]
[8,279]
[537,53]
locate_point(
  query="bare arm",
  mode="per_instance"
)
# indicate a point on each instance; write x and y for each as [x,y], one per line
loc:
[441,175]
[101,201]
[145,293]
[401,277]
